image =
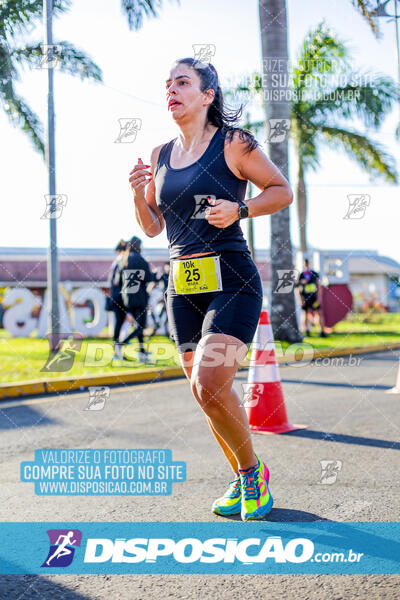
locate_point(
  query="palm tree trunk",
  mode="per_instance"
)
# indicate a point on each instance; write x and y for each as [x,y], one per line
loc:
[302,207]
[273,25]
[250,226]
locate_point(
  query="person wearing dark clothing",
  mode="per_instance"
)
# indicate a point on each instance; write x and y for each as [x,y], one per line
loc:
[309,286]
[164,277]
[135,276]
[160,315]
[115,303]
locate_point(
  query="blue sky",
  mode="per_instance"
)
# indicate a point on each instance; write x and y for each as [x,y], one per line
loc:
[93,171]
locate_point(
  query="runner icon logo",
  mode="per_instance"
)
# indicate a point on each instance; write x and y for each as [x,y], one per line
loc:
[62,358]
[61,552]
[329,471]
[357,206]
[286,281]
[131,280]
[97,397]
[203,54]
[201,200]
[128,129]
[278,130]
[50,57]
[54,206]
[251,394]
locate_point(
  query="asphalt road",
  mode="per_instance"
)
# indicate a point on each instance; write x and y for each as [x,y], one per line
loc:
[349,417]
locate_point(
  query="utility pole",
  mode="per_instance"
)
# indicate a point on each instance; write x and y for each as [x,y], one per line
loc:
[52,259]
[380,11]
[396,24]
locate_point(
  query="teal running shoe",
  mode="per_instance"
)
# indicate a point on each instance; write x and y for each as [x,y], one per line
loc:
[231,502]
[256,498]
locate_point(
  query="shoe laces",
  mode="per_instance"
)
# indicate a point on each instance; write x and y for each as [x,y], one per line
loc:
[235,488]
[250,484]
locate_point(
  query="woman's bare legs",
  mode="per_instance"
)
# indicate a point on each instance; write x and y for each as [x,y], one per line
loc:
[211,370]
[187,363]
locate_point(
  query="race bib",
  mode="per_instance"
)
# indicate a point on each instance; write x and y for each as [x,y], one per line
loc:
[309,288]
[197,275]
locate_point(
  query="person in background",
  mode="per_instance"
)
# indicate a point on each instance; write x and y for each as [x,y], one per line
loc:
[115,303]
[136,275]
[164,277]
[309,288]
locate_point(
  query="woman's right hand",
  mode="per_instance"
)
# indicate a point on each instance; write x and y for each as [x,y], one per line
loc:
[139,177]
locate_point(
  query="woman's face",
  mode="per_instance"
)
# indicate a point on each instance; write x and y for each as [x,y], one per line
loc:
[183,93]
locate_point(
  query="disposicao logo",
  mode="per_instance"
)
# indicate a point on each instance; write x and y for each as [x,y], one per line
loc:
[62,551]
[190,550]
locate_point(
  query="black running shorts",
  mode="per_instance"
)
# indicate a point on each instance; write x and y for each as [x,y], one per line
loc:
[235,310]
[310,302]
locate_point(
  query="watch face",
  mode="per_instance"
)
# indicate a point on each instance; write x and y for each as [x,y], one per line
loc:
[243,212]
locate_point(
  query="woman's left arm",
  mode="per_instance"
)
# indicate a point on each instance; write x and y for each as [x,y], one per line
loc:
[257,168]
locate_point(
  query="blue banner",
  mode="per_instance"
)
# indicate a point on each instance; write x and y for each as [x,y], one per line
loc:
[103,471]
[226,547]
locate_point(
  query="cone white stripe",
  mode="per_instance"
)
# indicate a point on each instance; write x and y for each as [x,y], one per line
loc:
[263,354]
[264,336]
[264,374]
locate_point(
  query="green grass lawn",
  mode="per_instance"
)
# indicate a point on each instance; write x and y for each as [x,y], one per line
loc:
[22,359]
[357,331]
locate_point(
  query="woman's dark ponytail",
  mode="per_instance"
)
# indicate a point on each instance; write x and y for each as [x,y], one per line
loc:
[218,114]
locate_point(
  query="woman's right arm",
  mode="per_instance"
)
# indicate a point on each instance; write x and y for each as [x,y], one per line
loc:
[147,213]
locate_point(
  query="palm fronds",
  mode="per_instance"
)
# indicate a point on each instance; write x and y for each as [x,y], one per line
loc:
[16,16]
[136,10]
[369,154]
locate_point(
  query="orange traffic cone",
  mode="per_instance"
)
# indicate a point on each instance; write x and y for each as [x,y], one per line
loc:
[396,388]
[265,403]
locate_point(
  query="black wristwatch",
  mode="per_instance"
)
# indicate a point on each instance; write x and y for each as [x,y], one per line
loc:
[243,210]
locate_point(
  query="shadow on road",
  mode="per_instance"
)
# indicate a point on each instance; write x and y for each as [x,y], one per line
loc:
[283,515]
[13,417]
[342,438]
[29,587]
[341,384]
[389,356]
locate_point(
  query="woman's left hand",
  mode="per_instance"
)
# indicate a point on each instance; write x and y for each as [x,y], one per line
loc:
[222,213]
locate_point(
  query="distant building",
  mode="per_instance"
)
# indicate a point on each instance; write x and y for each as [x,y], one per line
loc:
[372,278]
[374,275]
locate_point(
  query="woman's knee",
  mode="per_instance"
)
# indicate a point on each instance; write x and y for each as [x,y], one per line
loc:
[209,388]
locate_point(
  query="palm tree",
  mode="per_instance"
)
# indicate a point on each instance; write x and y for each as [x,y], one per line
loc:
[273,23]
[16,16]
[318,111]
[320,108]
[367,9]
[135,10]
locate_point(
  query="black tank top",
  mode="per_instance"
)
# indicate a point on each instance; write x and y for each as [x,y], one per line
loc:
[181,195]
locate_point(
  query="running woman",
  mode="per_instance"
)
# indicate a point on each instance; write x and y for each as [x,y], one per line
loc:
[196,188]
